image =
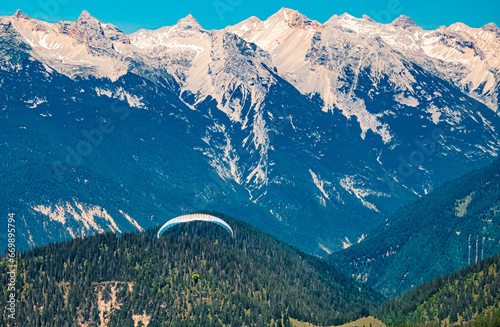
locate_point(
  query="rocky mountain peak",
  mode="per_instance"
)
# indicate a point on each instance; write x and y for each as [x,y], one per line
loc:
[458,27]
[491,27]
[87,26]
[404,22]
[253,19]
[245,26]
[19,14]
[337,20]
[92,32]
[293,18]
[189,22]
[250,21]
[346,16]
[368,18]
[85,16]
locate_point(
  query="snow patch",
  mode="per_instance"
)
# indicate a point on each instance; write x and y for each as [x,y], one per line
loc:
[35,102]
[121,94]
[346,243]
[435,114]
[324,248]
[361,238]
[348,183]
[406,100]
[351,106]
[319,184]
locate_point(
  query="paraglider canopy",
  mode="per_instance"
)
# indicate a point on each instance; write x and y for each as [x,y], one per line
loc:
[195,278]
[195,217]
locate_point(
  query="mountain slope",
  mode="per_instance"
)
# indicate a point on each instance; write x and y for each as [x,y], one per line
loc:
[76,141]
[395,101]
[87,156]
[154,133]
[251,279]
[444,231]
[469,297]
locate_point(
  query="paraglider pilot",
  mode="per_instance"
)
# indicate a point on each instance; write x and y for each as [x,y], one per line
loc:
[195,278]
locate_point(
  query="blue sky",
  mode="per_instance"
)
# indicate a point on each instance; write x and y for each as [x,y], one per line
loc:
[131,15]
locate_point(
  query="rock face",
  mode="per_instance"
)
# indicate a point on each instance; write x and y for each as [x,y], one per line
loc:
[491,27]
[19,15]
[317,130]
[404,22]
[90,32]
[467,57]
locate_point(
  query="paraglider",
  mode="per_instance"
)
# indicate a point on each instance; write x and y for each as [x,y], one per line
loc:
[195,217]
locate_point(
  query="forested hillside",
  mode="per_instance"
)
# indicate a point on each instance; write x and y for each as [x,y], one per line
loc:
[469,297]
[249,280]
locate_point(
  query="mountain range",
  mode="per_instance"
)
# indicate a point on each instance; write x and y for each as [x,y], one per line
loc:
[312,132]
